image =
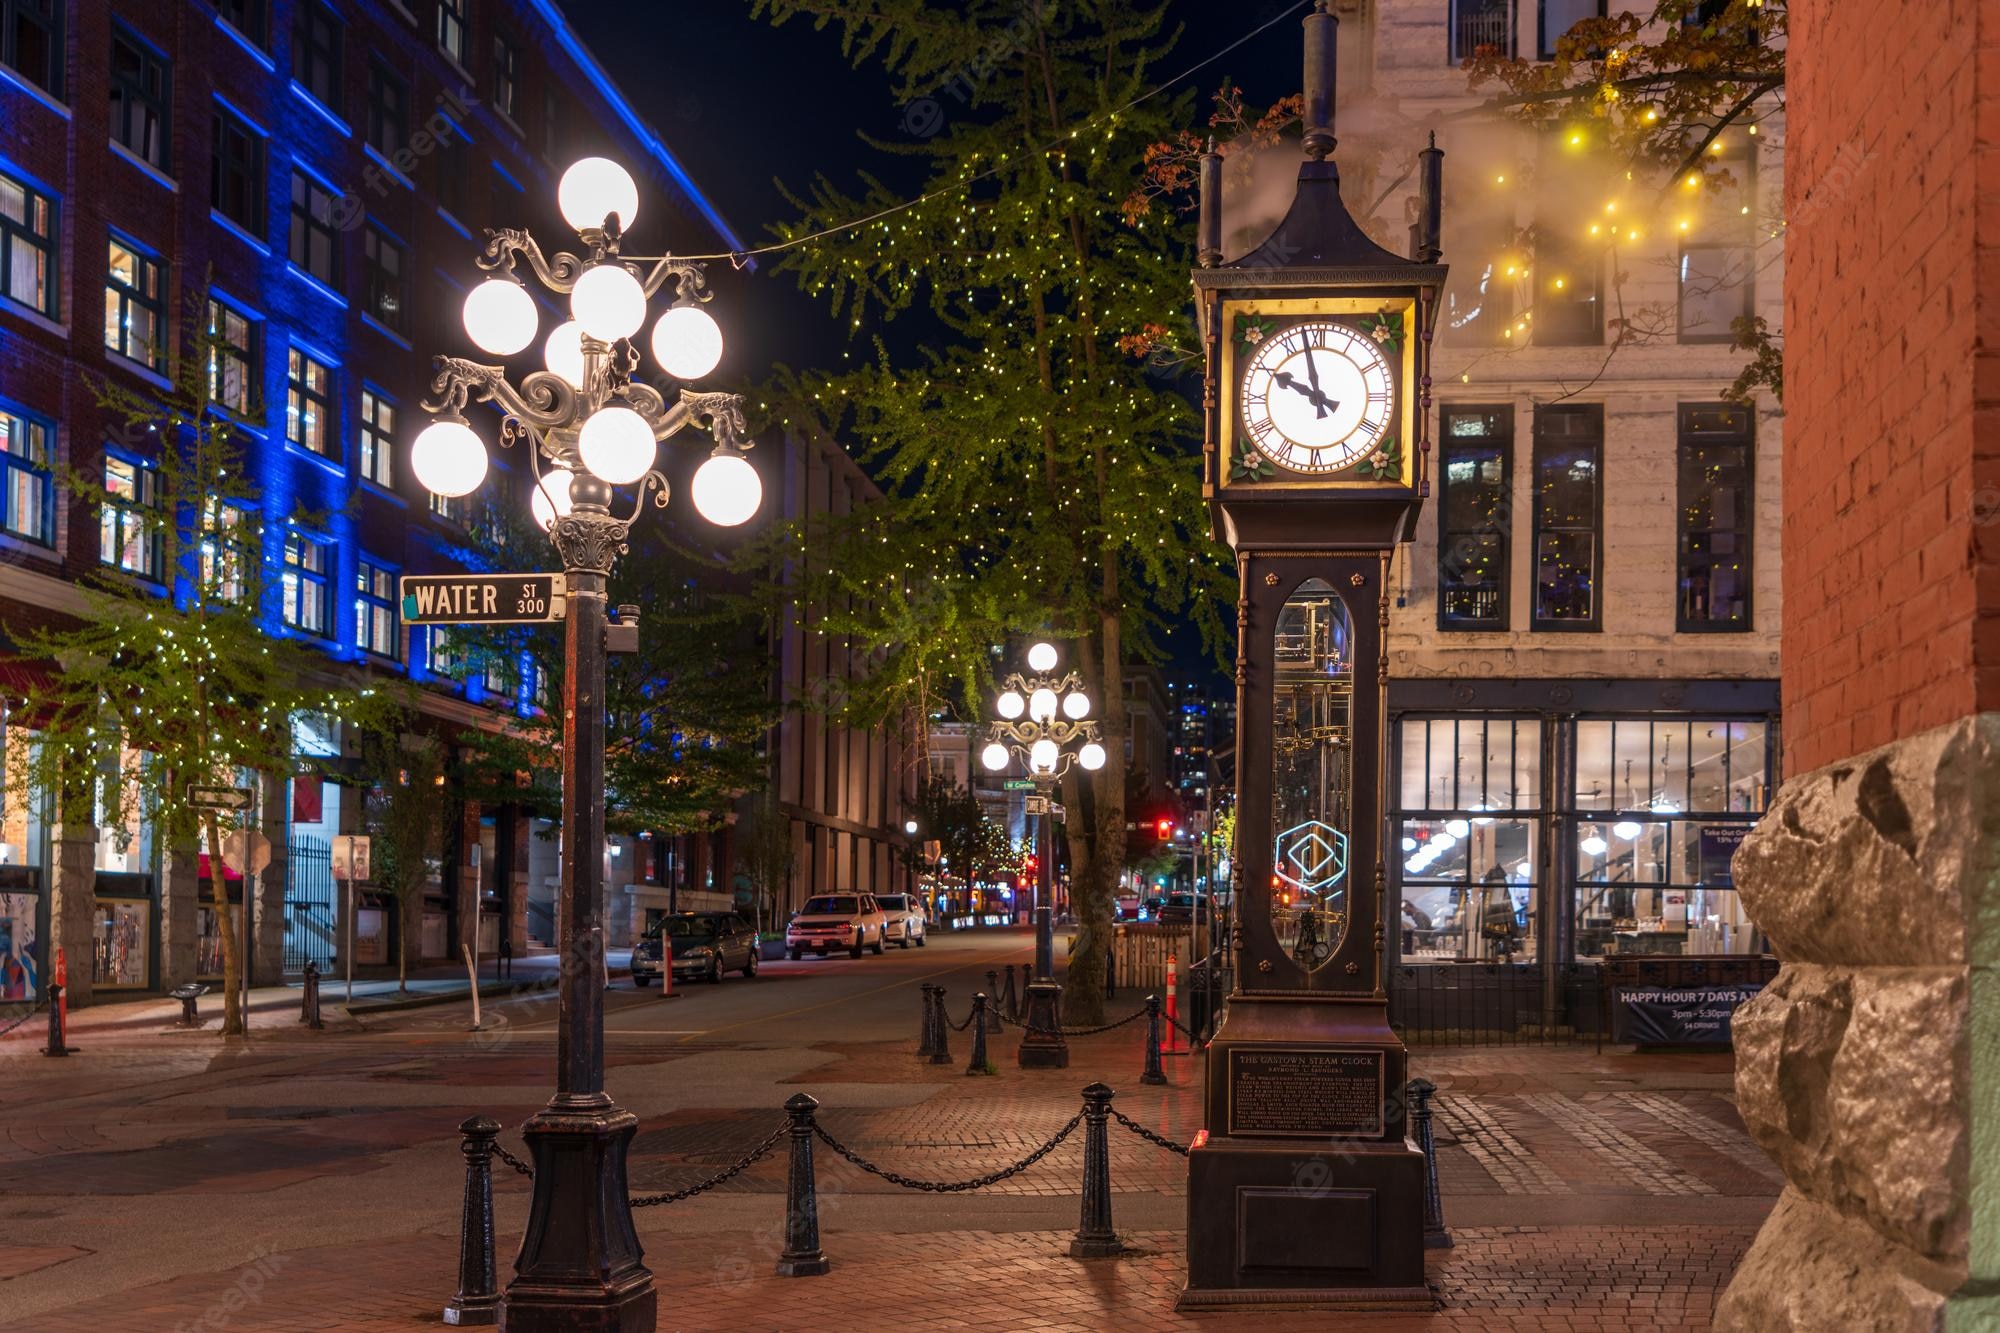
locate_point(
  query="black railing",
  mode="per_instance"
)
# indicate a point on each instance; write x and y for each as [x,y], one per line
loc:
[1481,23]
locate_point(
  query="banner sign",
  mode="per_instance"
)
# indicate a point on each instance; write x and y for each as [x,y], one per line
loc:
[1718,844]
[1681,1015]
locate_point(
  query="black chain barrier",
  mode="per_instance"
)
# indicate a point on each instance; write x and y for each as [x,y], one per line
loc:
[41,1005]
[948,1187]
[1193,1037]
[1132,1017]
[743,1164]
[1148,1135]
[960,1027]
[513,1161]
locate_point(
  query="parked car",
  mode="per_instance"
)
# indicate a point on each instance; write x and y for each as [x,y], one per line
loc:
[705,945]
[1177,908]
[850,921]
[907,923]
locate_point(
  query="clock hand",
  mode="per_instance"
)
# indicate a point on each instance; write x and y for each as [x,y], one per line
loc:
[1312,373]
[1324,403]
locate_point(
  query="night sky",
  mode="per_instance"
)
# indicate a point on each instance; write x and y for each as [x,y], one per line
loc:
[746,105]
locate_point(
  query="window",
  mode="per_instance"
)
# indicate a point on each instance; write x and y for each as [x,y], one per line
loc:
[442,657]
[309,403]
[1479,24]
[506,75]
[308,589]
[128,535]
[27,245]
[1560,290]
[1557,17]
[450,168]
[388,111]
[141,92]
[315,244]
[451,29]
[232,358]
[32,42]
[1569,455]
[317,39]
[1718,256]
[1470,836]
[27,446]
[225,551]
[135,306]
[378,434]
[1474,516]
[236,172]
[375,614]
[450,508]
[1716,508]
[249,17]
[382,258]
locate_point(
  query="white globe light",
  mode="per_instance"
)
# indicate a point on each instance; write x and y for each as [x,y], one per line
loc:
[687,342]
[500,316]
[1626,829]
[1042,704]
[1409,844]
[1042,657]
[1042,756]
[1011,705]
[909,826]
[563,352]
[608,302]
[1444,842]
[994,756]
[1593,845]
[1091,756]
[551,499]
[616,444]
[727,490]
[1076,705]
[594,188]
[449,458]
[1458,828]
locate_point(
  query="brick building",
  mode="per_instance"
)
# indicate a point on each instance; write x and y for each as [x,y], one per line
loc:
[1583,641]
[306,178]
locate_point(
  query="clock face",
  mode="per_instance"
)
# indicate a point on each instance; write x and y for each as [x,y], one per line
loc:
[1317,396]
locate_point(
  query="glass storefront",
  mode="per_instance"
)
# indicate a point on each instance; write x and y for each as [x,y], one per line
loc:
[1471,837]
[23,857]
[122,932]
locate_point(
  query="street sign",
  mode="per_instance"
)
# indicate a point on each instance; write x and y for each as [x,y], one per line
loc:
[246,852]
[1040,805]
[350,856]
[219,798]
[482,599]
[1018,784]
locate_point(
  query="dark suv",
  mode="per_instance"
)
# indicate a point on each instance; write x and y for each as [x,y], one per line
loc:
[704,944]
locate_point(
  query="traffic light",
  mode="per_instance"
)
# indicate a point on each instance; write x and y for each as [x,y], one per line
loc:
[1166,828]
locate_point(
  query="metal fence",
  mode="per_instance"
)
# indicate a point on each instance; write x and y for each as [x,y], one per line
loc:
[1495,1004]
[311,923]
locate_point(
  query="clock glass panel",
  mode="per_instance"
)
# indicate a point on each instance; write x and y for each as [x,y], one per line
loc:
[1317,396]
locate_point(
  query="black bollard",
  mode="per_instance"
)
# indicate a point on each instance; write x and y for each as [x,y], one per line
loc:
[927,1036]
[1110,974]
[977,1064]
[803,1256]
[941,1053]
[1094,1237]
[478,1299]
[58,1040]
[1154,1073]
[309,999]
[1435,1235]
[993,1005]
[1010,1005]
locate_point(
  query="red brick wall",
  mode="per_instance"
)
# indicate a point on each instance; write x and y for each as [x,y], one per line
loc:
[1892,458]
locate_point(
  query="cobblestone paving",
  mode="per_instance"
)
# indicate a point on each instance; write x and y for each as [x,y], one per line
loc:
[1621,1153]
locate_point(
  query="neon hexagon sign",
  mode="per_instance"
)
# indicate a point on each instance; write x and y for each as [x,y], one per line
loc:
[1312,857]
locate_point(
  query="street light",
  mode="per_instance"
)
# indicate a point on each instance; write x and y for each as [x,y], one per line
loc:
[1056,732]
[591,426]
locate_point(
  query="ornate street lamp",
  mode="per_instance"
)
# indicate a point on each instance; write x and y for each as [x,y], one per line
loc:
[1045,722]
[591,427]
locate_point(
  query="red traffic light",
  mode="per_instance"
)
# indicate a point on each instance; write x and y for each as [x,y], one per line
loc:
[1166,827]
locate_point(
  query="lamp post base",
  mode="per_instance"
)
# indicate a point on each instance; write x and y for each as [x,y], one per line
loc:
[1042,1043]
[580,1268]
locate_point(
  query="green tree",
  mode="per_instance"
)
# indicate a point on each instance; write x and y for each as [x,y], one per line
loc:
[174,678]
[767,856]
[404,811]
[1040,478]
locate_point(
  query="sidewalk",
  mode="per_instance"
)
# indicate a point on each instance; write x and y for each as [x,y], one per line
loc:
[1584,1191]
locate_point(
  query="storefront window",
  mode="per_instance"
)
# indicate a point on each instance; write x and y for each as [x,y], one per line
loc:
[120,958]
[1661,806]
[20,932]
[124,833]
[21,826]
[1312,773]
[1471,835]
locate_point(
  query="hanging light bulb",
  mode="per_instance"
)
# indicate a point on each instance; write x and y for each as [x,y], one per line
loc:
[608,302]
[727,490]
[500,316]
[687,342]
[1011,705]
[1042,705]
[1042,756]
[562,353]
[616,444]
[1091,756]
[994,757]
[593,189]
[1626,829]
[1042,657]
[551,498]
[1592,844]
[1076,705]
[1458,828]
[449,458]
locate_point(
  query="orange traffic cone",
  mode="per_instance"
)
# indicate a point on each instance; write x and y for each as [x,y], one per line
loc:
[1173,1045]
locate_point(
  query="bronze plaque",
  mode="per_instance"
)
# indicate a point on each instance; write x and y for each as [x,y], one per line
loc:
[1304,1092]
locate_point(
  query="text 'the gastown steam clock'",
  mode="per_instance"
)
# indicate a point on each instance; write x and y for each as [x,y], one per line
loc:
[1304,1189]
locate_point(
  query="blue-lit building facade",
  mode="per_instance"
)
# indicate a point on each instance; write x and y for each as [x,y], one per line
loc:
[305,180]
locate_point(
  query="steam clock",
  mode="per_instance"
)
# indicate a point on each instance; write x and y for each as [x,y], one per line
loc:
[1304,1189]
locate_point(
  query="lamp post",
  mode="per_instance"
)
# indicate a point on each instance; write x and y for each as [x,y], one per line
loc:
[591,428]
[1045,721]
